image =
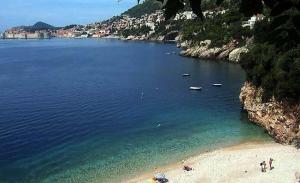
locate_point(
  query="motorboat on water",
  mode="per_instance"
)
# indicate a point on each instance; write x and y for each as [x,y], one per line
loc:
[185,75]
[195,88]
[217,84]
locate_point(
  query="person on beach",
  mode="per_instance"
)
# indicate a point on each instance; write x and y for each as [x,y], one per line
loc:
[187,168]
[297,176]
[263,166]
[270,163]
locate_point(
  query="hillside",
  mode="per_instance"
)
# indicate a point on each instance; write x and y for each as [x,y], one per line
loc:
[37,26]
[147,7]
[42,26]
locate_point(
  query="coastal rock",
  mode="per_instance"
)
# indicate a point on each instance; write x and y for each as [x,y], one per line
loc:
[280,119]
[183,53]
[178,38]
[205,51]
[200,51]
[196,51]
[235,55]
[130,38]
[171,36]
[185,45]
[210,53]
[226,49]
[161,38]
[205,43]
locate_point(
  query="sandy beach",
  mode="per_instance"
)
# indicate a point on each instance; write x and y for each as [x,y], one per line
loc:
[236,164]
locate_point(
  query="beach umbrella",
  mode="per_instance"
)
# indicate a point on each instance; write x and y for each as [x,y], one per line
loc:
[160,176]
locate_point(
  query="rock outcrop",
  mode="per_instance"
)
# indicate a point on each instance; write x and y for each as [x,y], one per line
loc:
[204,50]
[235,55]
[171,36]
[280,119]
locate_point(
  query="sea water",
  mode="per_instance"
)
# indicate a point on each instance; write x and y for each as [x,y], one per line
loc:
[106,110]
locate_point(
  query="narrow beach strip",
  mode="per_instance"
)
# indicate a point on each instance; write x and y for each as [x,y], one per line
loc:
[235,164]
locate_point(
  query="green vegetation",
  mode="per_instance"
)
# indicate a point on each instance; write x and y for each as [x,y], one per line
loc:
[220,28]
[70,26]
[273,62]
[276,72]
[167,27]
[147,7]
[38,26]
[43,26]
[139,31]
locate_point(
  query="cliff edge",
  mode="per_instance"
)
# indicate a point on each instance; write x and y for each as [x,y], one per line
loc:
[280,119]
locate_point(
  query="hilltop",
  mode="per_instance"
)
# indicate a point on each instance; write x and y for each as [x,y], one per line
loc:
[37,26]
[147,7]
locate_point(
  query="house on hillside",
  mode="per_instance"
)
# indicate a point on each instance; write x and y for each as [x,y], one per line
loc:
[187,15]
[251,22]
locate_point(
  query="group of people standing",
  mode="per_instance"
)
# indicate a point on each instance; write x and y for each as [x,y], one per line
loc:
[263,165]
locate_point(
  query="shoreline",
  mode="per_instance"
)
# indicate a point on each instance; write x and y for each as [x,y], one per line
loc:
[236,163]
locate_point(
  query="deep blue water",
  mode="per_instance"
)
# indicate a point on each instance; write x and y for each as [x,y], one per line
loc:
[105,110]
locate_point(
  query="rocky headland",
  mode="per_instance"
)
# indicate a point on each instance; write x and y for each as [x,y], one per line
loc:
[280,119]
[229,52]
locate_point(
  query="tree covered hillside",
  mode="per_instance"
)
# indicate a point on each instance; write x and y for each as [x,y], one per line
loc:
[147,7]
[273,61]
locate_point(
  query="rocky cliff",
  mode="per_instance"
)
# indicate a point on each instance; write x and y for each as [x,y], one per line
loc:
[171,36]
[229,52]
[280,119]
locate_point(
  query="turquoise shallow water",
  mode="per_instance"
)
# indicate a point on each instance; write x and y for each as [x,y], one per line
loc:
[106,110]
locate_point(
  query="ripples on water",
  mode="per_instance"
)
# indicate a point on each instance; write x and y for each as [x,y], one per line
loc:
[103,110]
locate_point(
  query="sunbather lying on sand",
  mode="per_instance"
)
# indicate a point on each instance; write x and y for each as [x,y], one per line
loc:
[187,168]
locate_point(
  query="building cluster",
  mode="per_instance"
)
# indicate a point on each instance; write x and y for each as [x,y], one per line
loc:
[70,32]
[150,20]
[113,26]
[19,33]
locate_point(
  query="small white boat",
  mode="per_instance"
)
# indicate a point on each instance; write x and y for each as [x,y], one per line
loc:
[195,88]
[217,84]
[184,75]
[168,53]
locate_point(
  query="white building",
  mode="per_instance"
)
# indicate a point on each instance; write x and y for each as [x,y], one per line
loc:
[20,36]
[151,25]
[187,15]
[251,22]
[9,35]
[35,35]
